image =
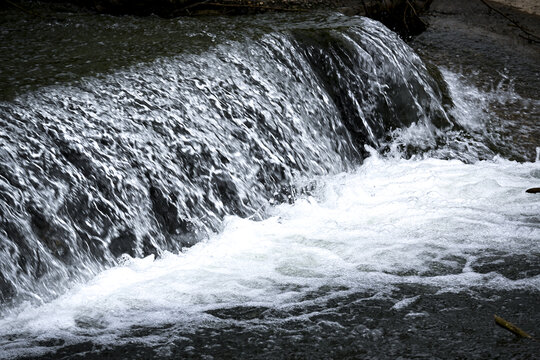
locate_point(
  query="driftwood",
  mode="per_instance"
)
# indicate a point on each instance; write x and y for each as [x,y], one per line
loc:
[511,327]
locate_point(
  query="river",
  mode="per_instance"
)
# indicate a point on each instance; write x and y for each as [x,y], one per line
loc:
[271,186]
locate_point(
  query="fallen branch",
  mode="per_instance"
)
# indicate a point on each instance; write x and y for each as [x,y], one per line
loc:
[530,36]
[511,327]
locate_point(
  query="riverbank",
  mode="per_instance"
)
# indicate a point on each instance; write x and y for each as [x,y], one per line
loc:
[528,6]
[515,19]
[483,37]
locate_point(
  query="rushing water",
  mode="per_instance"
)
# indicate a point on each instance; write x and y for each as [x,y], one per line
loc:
[270,187]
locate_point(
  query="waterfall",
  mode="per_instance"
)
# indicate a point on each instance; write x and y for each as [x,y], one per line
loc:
[151,158]
[276,184]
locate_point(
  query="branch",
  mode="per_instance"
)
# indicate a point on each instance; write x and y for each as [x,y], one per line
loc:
[511,327]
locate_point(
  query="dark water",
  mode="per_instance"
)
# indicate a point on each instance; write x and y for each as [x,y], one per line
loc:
[346,199]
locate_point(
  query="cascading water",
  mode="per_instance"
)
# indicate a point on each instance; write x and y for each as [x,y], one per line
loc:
[221,189]
[147,159]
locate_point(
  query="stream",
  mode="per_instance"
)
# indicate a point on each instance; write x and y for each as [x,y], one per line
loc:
[271,186]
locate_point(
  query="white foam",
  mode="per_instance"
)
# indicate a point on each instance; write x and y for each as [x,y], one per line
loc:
[402,304]
[387,223]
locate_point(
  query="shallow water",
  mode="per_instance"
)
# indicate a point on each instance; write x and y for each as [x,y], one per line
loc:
[307,190]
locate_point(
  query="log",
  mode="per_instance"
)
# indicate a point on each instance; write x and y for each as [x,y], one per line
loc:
[511,327]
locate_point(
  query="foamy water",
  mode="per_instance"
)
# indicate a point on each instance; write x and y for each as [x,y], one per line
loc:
[438,210]
[392,221]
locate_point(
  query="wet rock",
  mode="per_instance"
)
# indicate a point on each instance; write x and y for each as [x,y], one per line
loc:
[149,247]
[124,243]
[224,186]
[57,236]
[166,211]
[7,290]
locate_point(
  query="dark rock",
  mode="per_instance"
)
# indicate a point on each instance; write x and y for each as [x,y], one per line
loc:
[149,247]
[167,213]
[54,234]
[124,243]
[224,186]
[7,290]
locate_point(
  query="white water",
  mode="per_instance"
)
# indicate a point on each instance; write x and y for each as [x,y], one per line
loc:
[384,224]
[392,221]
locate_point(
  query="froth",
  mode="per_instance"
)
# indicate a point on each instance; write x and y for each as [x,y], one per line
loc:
[392,221]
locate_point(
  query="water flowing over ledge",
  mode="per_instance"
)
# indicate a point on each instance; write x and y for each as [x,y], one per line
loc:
[152,158]
[309,180]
